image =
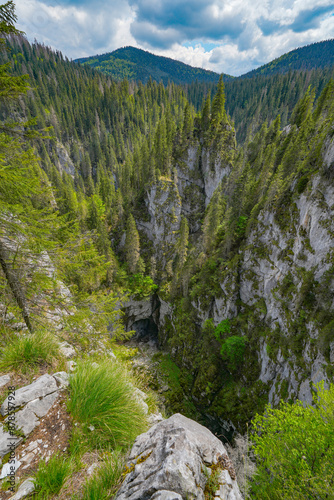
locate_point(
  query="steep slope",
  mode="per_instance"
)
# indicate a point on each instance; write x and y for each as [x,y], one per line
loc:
[140,65]
[248,315]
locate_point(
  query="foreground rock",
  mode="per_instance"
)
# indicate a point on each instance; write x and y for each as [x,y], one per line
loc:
[173,460]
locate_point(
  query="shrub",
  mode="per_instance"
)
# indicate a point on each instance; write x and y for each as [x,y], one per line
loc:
[33,349]
[294,448]
[222,329]
[233,350]
[51,476]
[102,399]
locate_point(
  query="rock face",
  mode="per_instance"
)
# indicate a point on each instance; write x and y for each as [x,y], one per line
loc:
[197,174]
[173,460]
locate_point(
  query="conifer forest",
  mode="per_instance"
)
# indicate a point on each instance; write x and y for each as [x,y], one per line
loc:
[183,208]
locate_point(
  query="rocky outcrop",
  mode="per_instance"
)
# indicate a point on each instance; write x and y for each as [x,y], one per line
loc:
[164,209]
[63,160]
[198,172]
[173,460]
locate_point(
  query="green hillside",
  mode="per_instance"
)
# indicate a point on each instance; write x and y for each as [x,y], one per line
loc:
[139,65]
[315,55]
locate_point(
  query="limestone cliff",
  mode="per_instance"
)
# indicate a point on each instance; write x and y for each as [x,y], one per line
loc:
[268,272]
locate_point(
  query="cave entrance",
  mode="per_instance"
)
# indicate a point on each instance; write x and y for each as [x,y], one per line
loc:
[146,331]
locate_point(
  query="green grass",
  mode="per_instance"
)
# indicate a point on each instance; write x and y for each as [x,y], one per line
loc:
[51,476]
[33,349]
[107,479]
[102,396]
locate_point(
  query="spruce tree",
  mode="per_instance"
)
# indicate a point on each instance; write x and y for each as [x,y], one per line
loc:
[132,247]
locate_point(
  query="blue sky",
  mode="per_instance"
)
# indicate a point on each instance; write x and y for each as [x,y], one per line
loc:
[230,36]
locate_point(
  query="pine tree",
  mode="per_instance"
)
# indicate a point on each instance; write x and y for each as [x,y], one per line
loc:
[132,247]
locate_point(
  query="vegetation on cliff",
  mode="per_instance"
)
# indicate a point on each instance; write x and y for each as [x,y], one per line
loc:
[124,188]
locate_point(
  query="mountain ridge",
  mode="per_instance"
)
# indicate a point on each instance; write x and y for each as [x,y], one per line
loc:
[137,64]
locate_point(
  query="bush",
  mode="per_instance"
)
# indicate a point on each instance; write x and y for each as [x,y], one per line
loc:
[222,329]
[102,399]
[294,448]
[33,349]
[51,476]
[233,350]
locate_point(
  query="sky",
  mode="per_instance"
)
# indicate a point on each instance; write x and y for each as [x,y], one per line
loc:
[226,36]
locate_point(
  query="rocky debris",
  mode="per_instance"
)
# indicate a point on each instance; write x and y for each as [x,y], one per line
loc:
[140,397]
[67,350]
[168,463]
[7,442]
[36,399]
[4,379]
[155,418]
[24,490]
[64,163]
[71,365]
[43,386]
[92,468]
[10,468]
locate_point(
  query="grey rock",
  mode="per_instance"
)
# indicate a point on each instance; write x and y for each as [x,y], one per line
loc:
[4,379]
[26,421]
[92,468]
[41,406]
[10,468]
[155,418]
[67,350]
[169,459]
[62,378]
[166,495]
[71,365]
[25,489]
[331,355]
[8,442]
[43,386]
[140,396]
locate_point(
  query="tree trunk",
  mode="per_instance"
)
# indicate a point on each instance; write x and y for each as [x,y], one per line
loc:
[14,285]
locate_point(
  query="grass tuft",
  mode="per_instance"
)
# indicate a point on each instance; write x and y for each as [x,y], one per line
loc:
[102,399]
[33,349]
[107,479]
[51,476]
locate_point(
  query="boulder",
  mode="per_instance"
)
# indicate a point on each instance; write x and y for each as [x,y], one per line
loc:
[172,460]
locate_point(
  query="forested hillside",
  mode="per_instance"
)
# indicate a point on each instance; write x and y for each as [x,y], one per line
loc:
[315,55]
[140,65]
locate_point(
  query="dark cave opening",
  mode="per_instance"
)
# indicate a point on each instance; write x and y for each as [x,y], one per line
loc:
[146,331]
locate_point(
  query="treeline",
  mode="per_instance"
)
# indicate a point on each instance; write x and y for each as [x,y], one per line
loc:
[252,101]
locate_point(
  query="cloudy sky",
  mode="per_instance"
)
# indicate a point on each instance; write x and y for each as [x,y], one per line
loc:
[230,36]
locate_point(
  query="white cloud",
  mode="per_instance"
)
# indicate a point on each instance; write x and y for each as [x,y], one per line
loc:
[247,33]
[77,31]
